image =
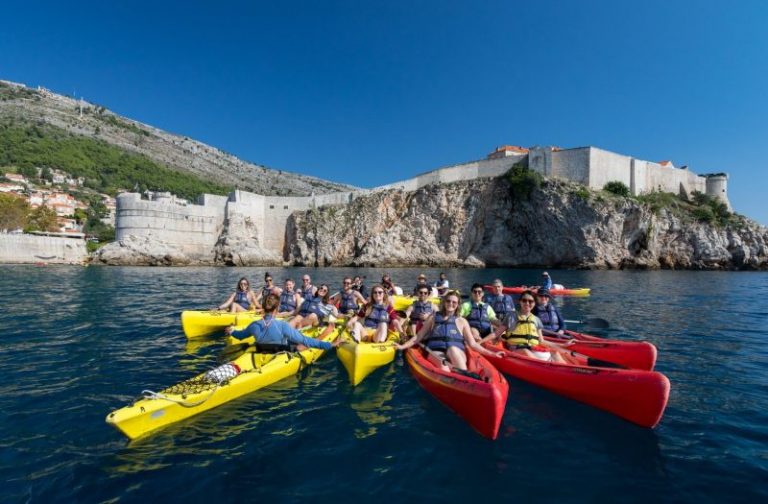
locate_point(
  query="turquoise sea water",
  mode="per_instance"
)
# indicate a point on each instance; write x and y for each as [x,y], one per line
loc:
[80,342]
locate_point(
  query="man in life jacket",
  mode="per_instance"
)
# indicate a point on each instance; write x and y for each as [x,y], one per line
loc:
[548,313]
[481,317]
[503,304]
[272,335]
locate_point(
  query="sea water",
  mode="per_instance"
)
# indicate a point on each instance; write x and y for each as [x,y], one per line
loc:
[78,343]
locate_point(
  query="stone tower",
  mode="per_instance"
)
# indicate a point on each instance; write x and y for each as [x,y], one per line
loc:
[717,187]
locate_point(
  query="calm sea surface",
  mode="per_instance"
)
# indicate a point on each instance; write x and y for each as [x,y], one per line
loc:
[80,342]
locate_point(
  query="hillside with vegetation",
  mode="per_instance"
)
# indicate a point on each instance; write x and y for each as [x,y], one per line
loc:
[39,128]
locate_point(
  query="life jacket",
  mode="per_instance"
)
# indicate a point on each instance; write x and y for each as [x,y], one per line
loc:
[313,305]
[348,302]
[419,308]
[268,343]
[524,333]
[549,316]
[379,314]
[502,304]
[478,316]
[287,301]
[444,333]
[266,291]
[241,298]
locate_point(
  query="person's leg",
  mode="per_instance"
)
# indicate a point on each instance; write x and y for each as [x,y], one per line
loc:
[295,322]
[381,333]
[458,357]
[236,308]
[310,320]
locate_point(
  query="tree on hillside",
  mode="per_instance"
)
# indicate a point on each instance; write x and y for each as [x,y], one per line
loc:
[13,212]
[42,218]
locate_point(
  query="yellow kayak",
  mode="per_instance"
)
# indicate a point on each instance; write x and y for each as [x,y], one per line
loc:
[362,359]
[401,303]
[213,388]
[198,324]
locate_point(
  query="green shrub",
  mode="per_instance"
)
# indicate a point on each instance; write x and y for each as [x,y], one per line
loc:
[581,193]
[703,214]
[618,188]
[523,181]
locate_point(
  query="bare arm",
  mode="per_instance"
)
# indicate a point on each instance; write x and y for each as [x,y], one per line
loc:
[228,302]
[470,342]
[425,329]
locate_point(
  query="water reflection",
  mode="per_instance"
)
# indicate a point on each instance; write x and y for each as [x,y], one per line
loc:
[370,401]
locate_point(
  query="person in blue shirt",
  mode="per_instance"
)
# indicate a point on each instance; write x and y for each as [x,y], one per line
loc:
[548,313]
[547,281]
[273,335]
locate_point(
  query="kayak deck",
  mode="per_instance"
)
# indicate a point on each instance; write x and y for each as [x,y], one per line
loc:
[200,323]
[581,291]
[361,359]
[198,394]
[630,354]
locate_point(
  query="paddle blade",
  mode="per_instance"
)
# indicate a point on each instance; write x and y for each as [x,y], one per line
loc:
[597,323]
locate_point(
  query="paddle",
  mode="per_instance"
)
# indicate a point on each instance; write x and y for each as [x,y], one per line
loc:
[595,322]
[591,361]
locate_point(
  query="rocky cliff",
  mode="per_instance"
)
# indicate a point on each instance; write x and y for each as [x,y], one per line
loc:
[482,223]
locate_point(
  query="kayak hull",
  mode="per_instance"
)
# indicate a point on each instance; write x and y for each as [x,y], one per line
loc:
[583,291]
[200,324]
[401,303]
[479,402]
[631,354]
[257,370]
[362,359]
[635,395]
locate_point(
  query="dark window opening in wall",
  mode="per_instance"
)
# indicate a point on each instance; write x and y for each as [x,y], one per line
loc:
[285,207]
[271,207]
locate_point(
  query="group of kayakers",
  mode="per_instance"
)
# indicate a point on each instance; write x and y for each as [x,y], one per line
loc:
[437,318]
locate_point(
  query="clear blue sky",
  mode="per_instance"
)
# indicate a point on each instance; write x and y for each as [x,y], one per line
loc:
[373,92]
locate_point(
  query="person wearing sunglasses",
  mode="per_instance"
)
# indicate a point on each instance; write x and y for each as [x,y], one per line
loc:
[372,323]
[359,286]
[548,313]
[243,299]
[269,288]
[420,310]
[421,282]
[348,299]
[524,334]
[481,317]
[307,290]
[289,299]
[389,285]
[503,305]
[315,310]
[447,335]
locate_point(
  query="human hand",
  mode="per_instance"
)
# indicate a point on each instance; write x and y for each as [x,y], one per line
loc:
[228,330]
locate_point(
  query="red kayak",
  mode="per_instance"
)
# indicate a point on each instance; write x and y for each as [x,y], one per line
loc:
[631,354]
[632,394]
[582,291]
[480,402]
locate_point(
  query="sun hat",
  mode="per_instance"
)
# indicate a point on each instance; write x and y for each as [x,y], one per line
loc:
[543,292]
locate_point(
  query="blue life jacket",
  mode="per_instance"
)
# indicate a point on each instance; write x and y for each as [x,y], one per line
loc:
[241,298]
[502,304]
[287,301]
[478,316]
[550,317]
[348,302]
[419,308]
[313,305]
[379,314]
[444,334]
[265,291]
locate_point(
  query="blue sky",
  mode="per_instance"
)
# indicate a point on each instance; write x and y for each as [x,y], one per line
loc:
[373,92]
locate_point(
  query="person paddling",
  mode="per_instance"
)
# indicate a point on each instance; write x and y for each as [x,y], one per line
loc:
[273,335]
[524,334]
[548,313]
[243,299]
[446,334]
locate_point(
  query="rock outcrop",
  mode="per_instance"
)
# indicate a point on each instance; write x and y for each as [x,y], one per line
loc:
[480,223]
[238,245]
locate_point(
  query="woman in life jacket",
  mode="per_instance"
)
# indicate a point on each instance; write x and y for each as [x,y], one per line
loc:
[548,313]
[446,334]
[289,298]
[272,335]
[348,300]
[524,335]
[265,291]
[481,317]
[420,310]
[372,323]
[314,310]
[243,299]
[389,286]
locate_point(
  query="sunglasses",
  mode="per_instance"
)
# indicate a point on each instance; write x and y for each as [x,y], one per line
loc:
[378,292]
[424,292]
[477,291]
[452,301]
[347,283]
[528,301]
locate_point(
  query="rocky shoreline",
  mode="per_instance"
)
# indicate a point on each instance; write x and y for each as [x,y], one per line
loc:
[480,223]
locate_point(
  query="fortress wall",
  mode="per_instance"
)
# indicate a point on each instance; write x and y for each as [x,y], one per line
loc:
[638,177]
[571,164]
[455,173]
[191,228]
[668,179]
[27,248]
[607,166]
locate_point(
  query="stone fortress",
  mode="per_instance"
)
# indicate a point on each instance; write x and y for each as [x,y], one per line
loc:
[195,229]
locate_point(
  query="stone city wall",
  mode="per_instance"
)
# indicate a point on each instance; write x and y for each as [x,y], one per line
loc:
[27,248]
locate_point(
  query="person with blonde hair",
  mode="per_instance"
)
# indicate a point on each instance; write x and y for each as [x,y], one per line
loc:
[372,323]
